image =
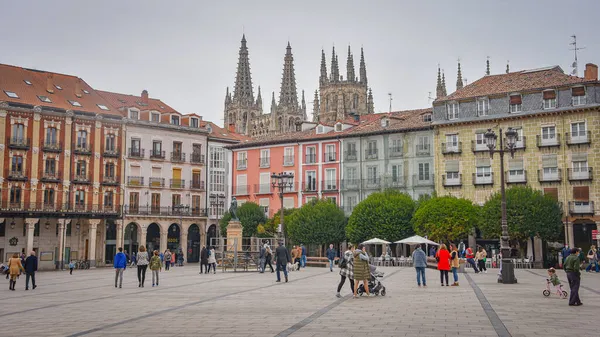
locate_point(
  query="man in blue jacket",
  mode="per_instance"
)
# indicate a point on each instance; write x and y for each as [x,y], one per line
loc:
[303,259]
[120,265]
[31,265]
[331,254]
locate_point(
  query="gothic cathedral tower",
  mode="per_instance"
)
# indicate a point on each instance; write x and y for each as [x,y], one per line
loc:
[341,98]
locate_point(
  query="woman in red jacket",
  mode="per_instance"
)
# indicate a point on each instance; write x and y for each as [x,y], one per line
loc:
[443,259]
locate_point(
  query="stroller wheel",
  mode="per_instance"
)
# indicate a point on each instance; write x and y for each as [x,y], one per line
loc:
[383,292]
[565,294]
[546,292]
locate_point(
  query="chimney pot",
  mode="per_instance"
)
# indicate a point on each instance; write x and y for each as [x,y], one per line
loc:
[231,128]
[50,83]
[145,96]
[591,72]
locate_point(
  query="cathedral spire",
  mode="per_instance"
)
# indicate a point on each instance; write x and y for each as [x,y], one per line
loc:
[335,71]
[444,84]
[259,99]
[459,81]
[363,69]
[303,105]
[243,80]
[507,68]
[439,90]
[350,77]
[288,96]
[487,66]
[323,77]
[370,108]
[316,108]
[227,97]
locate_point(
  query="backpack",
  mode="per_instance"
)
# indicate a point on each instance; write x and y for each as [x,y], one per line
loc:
[155,263]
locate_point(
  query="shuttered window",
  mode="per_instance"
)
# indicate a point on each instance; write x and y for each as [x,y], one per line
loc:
[515,164]
[578,91]
[549,94]
[549,160]
[452,166]
[515,99]
[579,156]
[552,192]
[482,162]
[581,193]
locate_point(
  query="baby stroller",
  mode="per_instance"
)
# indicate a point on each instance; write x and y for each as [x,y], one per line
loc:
[375,285]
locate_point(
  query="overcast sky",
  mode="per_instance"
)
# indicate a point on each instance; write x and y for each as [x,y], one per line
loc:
[185,52]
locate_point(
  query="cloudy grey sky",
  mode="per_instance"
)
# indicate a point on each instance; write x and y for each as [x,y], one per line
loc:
[185,52]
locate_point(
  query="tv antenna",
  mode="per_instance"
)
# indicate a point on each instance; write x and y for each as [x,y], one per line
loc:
[429,98]
[390,96]
[575,49]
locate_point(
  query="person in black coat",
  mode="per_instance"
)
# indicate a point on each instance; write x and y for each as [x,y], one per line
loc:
[282,257]
[204,259]
[31,266]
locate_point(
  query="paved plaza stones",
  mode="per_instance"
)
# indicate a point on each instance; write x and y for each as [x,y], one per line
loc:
[251,304]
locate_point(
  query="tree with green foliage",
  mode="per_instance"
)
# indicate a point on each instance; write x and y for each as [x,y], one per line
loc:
[272,224]
[318,222]
[445,219]
[529,213]
[250,215]
[385,215]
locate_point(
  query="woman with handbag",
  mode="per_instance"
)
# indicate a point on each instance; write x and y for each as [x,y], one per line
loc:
[593,259]
[346,264]
[15,267]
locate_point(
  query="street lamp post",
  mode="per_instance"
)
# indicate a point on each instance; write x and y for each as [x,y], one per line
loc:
[282,181]
[507,276]
[216,203]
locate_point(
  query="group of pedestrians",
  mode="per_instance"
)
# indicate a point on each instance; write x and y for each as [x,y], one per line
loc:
[208,260]
[354,266]
[19,264]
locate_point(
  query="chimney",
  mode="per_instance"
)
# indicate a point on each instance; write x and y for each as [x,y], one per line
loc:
[231,128]
[145,97]
[591,72]
[50,83]
[78,88]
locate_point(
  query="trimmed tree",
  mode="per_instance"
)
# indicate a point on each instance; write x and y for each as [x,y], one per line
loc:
[270,227]
[250,215]
[445,218]
[385,215]
[529,213]
[318,222]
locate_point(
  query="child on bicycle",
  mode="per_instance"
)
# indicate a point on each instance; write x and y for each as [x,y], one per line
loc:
[553,277]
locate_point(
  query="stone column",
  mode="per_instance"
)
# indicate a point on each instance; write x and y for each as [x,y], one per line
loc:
[93,227]
[142,237]
[538,251]
[61,245]
[30,225]
[571,238]
[120,241]
[163,240]
[184,243]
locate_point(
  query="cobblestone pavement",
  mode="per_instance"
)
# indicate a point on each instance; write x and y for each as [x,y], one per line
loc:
[251,304]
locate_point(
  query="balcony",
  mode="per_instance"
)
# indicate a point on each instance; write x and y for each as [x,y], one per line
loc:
[241,190]
[17,176]
[134,181]
[136,153]
[55,147]
[310,158]
[110,181]
[157,155]
[198,185]
[371,154]
[452,148]
[423,180]
[83,149]
[483,179]
[520,144]
[371,183]
[396,151]
[81,179]
[265,162]
[18,143]
[583,174]
[50,177]
[329,157]
[111,153]
[516,176]
[154,182]
[581,208]
[197,158]
[291,189]
[454,181]
[350,156]
[50,209]
[288,160]
[177,183]
[165,210]
[350,184]
[479,147]
[177,157]
[579,138]
[550,176]
[329,185]
[310,187]
[423,150]
[242,164]
[553,141]
[395,182]
[262,189]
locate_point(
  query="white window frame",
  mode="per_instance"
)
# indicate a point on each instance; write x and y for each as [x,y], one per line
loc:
[241,189]
[331,179]
[308,174]
[311,152]
[330,152]
[483,106]
[581,134]
[288,155]
[427,117]
[424,171]
[483,174]
[580,169]
[515,108]
[134,114]
[579,100]
[265,157]
[177,118]
[153,114]
[550,173]
[264,183]
[547,136]
[452,142]
[192,120]
[550,103]
[372,174]
[480,142]
[452,110]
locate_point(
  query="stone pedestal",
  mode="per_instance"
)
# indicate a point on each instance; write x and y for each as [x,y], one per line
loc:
[234,235]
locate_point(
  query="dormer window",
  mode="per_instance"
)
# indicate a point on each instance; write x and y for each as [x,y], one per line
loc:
[452,111]
[515,103]
[209,129]
[578,96]
[175,120]
[45,99]
[58,87]
[338,127]
[194,122]
[483,105]
[549,99]
[320,129]
[427,117]
[75,103]
[155,117]
[385,122]
[86,92]
[11,94]
[134,114]
[103,107]
[27,82]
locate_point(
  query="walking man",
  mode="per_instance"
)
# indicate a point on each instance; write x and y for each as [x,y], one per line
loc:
[204,260]
[574,276]
[420,262]
[31,265]
[471,259]
[303,256]
[282,257]
[120,264]
[268,257]
[167,258]
[331,256]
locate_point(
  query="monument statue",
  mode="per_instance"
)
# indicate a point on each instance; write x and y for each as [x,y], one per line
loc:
[233,209]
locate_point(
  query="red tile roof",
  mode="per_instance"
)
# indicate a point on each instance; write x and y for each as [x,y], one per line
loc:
[525,80]
[13,79]
[133,101]
[220,133]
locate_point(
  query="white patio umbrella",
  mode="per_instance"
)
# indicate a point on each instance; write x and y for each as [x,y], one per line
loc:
[376,241]
[417,240]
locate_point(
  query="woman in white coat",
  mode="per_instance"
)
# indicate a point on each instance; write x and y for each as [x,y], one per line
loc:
[212,260]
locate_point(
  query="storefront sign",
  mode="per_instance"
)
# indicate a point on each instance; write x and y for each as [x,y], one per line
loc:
[594,234]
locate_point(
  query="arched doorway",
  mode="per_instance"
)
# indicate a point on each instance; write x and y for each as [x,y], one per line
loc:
[130,239]
[110,240]
[173,238]
[193,253]
[153,238]
[212,233]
